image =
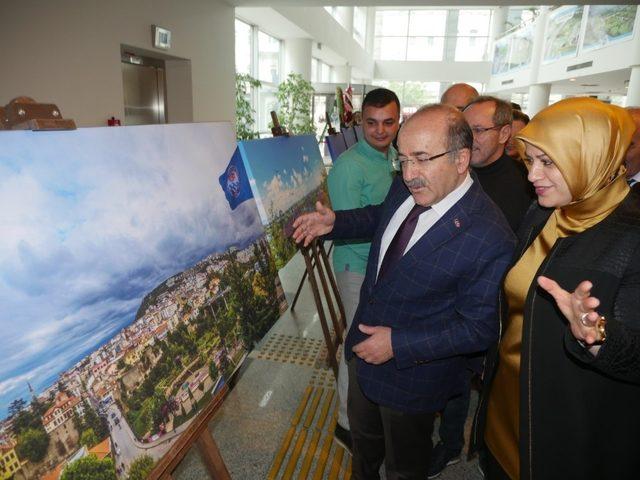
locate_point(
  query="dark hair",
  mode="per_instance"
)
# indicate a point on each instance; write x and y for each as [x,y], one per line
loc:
[459,134]
[380,97]
[519,115]
[503,114]
[516,106]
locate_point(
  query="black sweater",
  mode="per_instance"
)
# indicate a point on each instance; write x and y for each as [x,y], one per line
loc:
[505,181]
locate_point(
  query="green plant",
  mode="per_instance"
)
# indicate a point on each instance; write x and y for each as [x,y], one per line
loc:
[294,96]
[244,111]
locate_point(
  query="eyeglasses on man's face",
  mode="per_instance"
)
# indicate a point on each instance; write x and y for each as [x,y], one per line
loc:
[481,130]
[421,160]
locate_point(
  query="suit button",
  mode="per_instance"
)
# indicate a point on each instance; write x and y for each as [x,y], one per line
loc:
[371,301]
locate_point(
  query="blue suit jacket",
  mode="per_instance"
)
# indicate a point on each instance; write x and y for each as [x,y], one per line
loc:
[440,299]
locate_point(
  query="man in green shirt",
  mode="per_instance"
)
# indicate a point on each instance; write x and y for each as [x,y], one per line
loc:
[361,176]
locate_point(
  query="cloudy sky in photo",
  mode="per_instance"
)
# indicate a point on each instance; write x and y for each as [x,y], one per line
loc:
[283,169]
[92,220]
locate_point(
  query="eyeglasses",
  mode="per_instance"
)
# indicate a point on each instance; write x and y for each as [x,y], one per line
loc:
[420,160]
[481,130]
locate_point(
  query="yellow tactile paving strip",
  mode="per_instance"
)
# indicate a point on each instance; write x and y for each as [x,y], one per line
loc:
[290,349]
[312,425]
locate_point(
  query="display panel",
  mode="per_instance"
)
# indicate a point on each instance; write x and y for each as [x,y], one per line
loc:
[130,288]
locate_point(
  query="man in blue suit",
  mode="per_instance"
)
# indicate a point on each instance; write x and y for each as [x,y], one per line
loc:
[439,250]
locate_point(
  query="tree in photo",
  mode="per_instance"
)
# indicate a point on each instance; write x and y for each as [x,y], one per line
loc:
[140,468]
[90,468]
[33,444]
[88,438]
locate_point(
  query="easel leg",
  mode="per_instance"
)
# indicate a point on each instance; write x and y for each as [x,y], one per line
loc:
[318,301]
[211,456]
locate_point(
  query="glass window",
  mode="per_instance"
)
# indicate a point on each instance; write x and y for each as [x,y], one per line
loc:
[314,69]
[243,47]
[428,23]
[268,58]
[425,48]
[266,103]
[471,49]
[474,23]
[325,72]
[360,24]
[392,23]
[390,48]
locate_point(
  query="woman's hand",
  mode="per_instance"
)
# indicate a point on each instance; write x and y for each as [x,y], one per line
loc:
[579,309]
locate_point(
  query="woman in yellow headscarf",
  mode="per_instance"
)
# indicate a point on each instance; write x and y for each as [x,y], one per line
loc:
[562,390]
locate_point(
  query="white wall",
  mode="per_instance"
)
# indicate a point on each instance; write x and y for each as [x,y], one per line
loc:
[322,27]
[67,52]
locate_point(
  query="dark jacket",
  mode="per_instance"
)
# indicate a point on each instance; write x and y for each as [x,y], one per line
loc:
[579,414]
[439,299]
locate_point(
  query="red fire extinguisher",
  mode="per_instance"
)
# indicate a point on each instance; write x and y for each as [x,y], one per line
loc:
[113,122]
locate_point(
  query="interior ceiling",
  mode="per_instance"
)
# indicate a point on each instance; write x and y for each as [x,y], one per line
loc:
[258,13]
[388,3]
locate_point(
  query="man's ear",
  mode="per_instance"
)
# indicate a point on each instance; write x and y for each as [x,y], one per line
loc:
[462,160]
[503,134]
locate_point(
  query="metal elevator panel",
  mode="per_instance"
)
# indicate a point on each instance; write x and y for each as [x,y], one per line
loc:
[144,92]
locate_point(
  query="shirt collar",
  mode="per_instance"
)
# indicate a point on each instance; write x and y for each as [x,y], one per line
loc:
[452,198]
[371,152]
[636,177]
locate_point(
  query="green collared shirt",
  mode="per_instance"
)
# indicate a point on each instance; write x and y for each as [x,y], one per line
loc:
[361,176]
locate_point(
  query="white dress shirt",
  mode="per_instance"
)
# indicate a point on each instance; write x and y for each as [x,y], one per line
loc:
[426,220]
[635,179]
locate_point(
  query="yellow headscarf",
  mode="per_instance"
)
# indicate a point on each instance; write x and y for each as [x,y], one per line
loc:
[587,140]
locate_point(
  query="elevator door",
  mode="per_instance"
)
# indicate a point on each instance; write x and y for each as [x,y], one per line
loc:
[144,94]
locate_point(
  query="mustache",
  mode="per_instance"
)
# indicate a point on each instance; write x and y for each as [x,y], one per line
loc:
[415,183]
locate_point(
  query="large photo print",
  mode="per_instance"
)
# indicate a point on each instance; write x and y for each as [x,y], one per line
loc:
[130,289]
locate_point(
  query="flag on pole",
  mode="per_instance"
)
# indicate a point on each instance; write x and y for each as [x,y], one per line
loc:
[235,182]
[348,106]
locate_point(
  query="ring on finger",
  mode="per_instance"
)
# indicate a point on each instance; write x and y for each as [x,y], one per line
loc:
[583,319]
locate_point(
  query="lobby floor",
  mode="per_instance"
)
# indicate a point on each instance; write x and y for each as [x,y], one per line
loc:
[278,420]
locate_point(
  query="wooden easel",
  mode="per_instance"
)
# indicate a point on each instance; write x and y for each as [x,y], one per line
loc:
[24,113]
[197,433]
[317,263]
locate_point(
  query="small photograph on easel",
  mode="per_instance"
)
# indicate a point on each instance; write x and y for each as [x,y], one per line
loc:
[287,177]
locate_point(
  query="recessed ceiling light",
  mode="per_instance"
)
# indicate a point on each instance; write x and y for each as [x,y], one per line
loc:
[572,79]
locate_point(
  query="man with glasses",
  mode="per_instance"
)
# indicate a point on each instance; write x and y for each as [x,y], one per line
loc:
[439,250]
[505,181]
[503,178]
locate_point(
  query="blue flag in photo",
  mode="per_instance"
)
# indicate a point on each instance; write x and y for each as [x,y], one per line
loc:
[234,181]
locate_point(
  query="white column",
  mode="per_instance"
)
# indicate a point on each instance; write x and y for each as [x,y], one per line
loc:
[297,57]
[633,92]
[538,44]
[346,18]
[451,36]
[498,24]
[538,97]
[342,74]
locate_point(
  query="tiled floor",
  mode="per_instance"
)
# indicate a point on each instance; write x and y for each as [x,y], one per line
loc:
[277,421]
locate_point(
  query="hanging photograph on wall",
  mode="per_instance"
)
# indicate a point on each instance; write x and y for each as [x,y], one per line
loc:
[501,55]
[521,48]
[563,31]
[608,24]
[287,176]
[131,290]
